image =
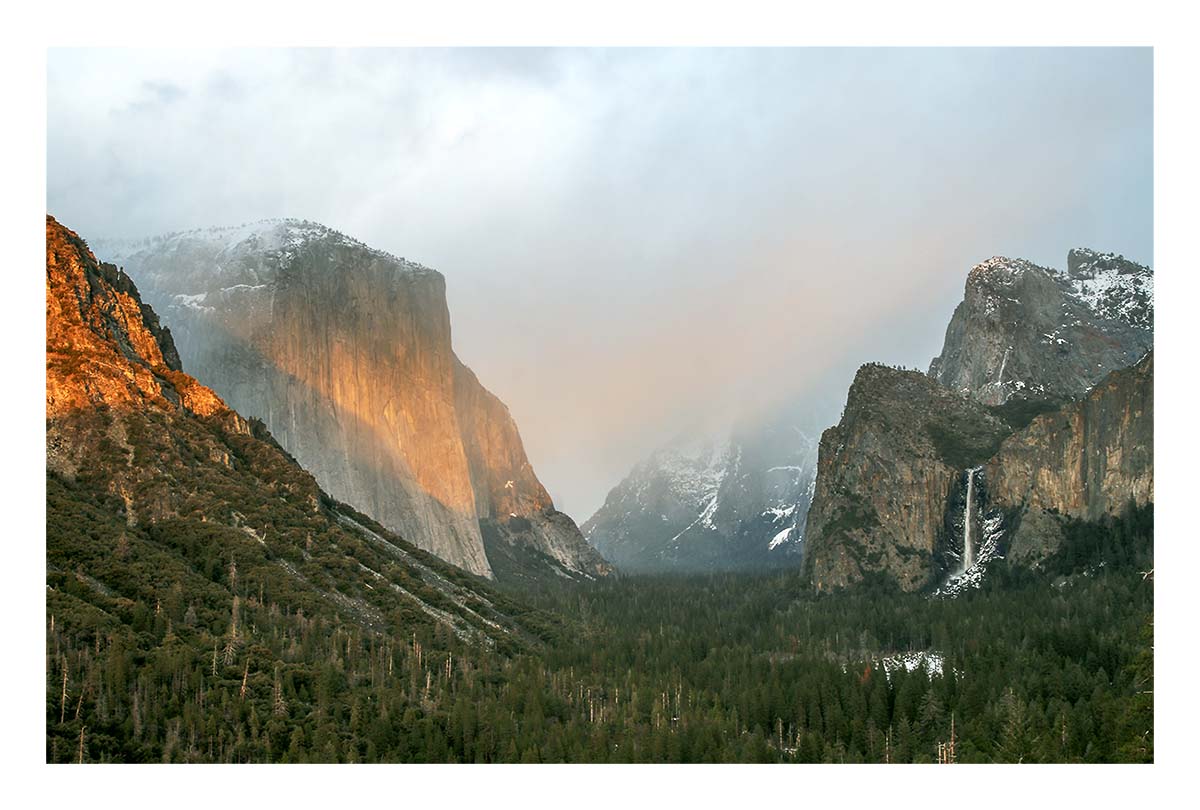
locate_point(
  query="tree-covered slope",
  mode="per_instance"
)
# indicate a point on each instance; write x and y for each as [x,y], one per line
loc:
[191,563]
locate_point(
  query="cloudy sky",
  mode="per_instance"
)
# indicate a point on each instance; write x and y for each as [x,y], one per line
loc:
[635,242]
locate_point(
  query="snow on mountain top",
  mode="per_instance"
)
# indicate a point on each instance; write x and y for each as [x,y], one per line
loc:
[694,470]
[1108,284]
[1111,286]
[1001,270]
[1081,260]
[283,236]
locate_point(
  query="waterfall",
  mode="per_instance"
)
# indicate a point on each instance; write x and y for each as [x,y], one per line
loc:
[968,510]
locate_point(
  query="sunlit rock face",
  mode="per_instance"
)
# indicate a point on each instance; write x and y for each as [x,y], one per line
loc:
[518,519]
[129,435]
[104,347]
[1033,333]
[114,387]
[344,352]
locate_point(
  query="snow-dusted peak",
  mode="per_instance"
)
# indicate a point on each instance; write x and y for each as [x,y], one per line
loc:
[1001,270]
[693,468]
[1112,286]
[729,501]
[280,239]
[1107,284]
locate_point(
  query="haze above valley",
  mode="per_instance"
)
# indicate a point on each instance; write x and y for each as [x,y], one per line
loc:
[634,242]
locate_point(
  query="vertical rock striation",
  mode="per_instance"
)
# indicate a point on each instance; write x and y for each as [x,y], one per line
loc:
[152,480]
[1089,459]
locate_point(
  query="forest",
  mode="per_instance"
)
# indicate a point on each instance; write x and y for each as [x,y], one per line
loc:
[226,665]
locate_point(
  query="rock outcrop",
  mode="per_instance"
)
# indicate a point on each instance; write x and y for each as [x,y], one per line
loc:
[1033,333]
[345,353]
[104,347]
[516,515]
[711,504]
[887,475]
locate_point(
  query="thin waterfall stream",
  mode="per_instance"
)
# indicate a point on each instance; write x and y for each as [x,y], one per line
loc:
[968,548]
[968,512]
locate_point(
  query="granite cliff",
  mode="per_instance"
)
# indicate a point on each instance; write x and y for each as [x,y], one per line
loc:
[345,354]
[1034,333]
[887,475]
[1088,460]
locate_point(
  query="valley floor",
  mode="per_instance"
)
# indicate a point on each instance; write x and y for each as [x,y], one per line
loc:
[1047,667]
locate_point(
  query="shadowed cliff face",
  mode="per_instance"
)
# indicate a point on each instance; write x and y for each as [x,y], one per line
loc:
[1088,460]
[344,352]
[886,474]
[1033,333]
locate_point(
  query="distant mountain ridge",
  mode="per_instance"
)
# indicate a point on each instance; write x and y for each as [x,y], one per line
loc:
[344,352]
[711,503]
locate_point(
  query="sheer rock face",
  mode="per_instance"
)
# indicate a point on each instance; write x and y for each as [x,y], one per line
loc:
[711,504]
[1089,459]
[512,505]
[886,476]
[344,352]
[1033,333]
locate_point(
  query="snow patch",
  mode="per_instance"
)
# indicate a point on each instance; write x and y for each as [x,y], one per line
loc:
[779,538]
[931,661]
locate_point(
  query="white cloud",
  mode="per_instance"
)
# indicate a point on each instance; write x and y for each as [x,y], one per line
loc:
[633,239]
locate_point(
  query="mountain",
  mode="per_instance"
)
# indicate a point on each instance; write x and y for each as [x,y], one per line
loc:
[344,352]
[157,487]
[708,504]
[1033,333]
[1039,410]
